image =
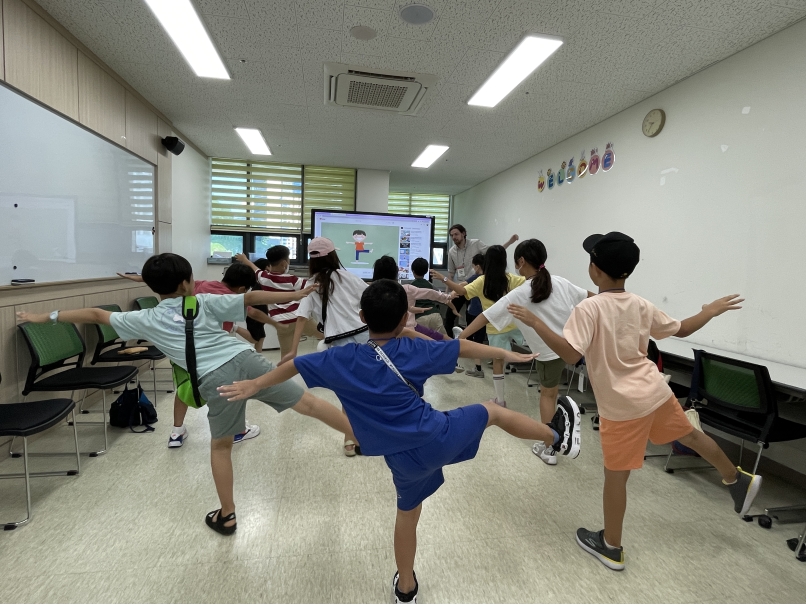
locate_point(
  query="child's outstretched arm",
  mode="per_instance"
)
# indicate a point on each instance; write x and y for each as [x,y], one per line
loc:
[691,324]
[79,316]
[299,328]
[474,350]
[132,276]
[458,288]
[556,342]
[474,326]
[250,299]
[260,316]
[244,389]
[243,259]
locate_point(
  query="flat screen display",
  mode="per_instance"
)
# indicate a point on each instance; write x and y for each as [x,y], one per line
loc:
[362,238]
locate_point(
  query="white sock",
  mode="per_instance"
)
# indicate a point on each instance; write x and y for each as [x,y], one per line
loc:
[498,383]
[178,430]
[606,544]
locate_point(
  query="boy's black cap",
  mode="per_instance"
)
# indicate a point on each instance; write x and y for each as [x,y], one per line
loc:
[614,253]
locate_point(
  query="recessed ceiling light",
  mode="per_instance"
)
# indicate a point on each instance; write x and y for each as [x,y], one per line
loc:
[430,155]
[417,14]
[254,140]
[521,62]
[185,28]
[362,32]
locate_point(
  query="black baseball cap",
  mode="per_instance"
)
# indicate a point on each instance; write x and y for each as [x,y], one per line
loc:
[614,253]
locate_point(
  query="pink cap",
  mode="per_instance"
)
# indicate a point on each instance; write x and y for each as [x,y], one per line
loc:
[320,246]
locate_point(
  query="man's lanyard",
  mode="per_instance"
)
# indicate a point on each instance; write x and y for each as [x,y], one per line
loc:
[381,356]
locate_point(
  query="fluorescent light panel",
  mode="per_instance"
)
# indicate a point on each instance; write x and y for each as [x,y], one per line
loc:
[185,28]
[430,155]
[254,140]
[519,64]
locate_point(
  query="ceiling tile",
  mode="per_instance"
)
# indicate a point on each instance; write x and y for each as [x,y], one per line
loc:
[246,39]
[223,8]
[324,14]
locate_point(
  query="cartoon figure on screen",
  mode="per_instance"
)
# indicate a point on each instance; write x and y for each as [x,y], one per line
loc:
[358,239]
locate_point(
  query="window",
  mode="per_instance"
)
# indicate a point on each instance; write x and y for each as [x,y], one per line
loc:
[261,243]
[428,204]
[223,245]
[327,189]
[256,196]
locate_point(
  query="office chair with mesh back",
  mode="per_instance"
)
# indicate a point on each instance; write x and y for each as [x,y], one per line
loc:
[110,345]
[738,398]
[59,346]
[26,419]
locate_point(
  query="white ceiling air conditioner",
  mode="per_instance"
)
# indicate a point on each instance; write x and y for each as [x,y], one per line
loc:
[396,91]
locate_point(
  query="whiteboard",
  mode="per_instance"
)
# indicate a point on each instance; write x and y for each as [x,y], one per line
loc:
[72,204]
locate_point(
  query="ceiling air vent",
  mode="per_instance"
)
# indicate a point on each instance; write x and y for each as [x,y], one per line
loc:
[395,91]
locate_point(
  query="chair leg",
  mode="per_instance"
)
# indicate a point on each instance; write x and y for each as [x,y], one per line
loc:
[570,382]
[75,438]
[758,457]
[799,546]
[105,423]
[28,515]
[741,452]
[154,378]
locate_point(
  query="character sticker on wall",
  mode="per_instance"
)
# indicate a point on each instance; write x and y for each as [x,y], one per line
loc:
[609,158]
[561,174]
[541,183]
[550,177]
[593,164]
[571,172]
[582,167]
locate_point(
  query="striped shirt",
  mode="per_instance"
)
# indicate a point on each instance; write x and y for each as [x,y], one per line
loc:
[281,282]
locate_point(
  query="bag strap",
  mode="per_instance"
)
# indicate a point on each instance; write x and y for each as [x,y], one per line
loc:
[147,428]
[383,357]
[336,337]
[190,311]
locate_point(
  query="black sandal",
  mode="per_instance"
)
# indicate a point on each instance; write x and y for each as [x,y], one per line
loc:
[218,524]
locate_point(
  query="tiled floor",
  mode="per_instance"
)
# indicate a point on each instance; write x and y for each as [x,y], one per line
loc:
[315,526]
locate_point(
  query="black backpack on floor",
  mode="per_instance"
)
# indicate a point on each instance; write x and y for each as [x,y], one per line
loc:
[132,408]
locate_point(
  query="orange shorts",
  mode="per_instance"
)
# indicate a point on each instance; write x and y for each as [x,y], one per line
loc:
[624,442]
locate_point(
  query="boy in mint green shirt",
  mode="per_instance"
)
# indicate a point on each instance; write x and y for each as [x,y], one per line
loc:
[220,360]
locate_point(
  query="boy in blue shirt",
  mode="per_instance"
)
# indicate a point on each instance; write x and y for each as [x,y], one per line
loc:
[220,359]
[380,386]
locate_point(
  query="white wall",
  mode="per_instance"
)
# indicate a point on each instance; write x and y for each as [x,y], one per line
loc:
[190,173]
[717,222]
[716,202]
[372,190]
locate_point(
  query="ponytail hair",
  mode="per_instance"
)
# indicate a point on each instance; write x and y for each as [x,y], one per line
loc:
[321,269]
[496,280]
[533,253]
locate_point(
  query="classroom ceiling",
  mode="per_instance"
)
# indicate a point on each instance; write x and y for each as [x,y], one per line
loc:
[616,53]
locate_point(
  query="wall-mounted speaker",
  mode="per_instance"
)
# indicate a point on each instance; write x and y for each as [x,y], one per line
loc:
[173,144]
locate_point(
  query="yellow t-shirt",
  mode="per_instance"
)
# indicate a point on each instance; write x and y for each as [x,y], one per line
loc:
[476,288]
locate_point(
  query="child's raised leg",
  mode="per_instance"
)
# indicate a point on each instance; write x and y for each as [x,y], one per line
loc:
[498,382]
[614,505]
[406,547]
[517,424]
[310,405]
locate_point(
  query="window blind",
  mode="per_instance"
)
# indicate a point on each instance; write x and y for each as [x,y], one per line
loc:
[327,188]
[429,204]
[256,196]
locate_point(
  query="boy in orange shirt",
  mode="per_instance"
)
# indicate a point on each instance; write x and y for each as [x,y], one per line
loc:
[612,331]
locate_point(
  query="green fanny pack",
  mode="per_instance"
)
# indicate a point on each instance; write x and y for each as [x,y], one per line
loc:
[187,381]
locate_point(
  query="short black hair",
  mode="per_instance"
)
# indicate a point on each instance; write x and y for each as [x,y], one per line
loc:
[419,267]
[165,272]
[384,304]
[278,253]
[262,263]
[384,268]
[238,275]
[478,259]
[359,232]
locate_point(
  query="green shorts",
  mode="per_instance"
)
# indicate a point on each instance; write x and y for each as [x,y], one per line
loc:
[228,418]
[504,341]
[549,372]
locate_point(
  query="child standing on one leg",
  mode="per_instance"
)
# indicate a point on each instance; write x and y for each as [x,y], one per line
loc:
[489,288]
[380,385]
[549,297]
[612,331]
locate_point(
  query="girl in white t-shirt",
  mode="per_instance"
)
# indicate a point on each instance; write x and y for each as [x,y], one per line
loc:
[335,305]
[551,298]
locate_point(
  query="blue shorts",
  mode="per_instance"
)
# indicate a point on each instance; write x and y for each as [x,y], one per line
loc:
[417,473]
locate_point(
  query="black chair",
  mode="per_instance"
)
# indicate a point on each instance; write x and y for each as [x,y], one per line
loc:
[57,358]
[110,344]
[26,419]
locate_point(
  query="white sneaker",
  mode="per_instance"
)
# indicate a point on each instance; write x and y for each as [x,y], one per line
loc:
[456,331]
[252,431]
[177,439]
[546,454]
[458,369]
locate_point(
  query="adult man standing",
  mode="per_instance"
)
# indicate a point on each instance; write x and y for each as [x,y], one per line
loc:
[460,267]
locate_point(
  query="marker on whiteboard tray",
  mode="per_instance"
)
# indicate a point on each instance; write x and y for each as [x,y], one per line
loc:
[22,282]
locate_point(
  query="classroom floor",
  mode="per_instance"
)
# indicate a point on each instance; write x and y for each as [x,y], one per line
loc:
[315,526]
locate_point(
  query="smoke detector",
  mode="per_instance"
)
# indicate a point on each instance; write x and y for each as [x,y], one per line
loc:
[416,14]
[396,91]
